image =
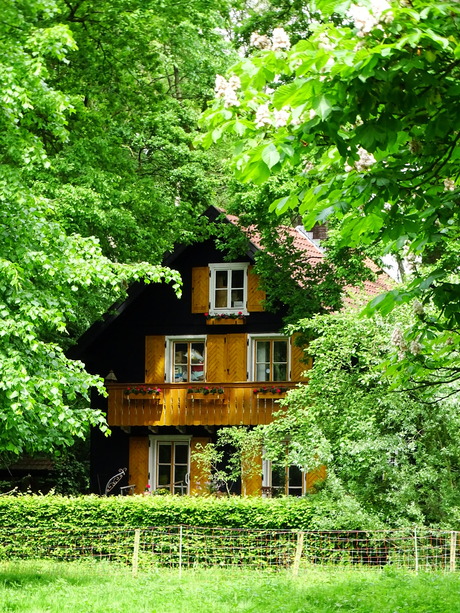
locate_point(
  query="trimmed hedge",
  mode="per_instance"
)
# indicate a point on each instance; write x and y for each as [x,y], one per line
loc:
[315,512]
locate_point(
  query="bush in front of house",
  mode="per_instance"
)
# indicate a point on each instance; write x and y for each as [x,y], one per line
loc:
[316,512]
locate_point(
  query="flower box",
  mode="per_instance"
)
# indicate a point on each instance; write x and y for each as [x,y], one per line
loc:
[207,397]
[270,395]
[225,321]
[144,396]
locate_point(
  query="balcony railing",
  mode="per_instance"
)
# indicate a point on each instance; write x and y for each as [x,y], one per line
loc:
[174,406]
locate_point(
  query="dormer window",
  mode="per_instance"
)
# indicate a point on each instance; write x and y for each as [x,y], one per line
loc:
[228,288]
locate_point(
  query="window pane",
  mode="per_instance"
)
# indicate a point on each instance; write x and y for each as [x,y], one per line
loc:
[222,278]
[280,351]
[237,279]
[278,481]
[237,298]
[278,476]
[180,374]
[180,353]
[197,353]
[263,351]
[181,454]
[221,298]
[262,372]
[164,475]
[295,476]
[280,372]
[179,474]
[164,453]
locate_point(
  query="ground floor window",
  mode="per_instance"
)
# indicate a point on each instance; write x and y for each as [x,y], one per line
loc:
[170,464]
[283,480]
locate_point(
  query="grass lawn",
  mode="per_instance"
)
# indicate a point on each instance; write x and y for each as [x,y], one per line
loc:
[41,587]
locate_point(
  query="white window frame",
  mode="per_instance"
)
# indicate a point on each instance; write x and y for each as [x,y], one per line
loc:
[267,478]
[153,456]
[252,338]
[213,268]
[169,355]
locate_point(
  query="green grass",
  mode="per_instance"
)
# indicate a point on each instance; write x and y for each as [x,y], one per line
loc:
[41,587]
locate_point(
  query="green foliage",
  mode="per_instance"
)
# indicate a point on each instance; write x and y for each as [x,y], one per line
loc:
[52,283]
[139,76]
[313,512]
[234,456]
[394,452]
[363,114]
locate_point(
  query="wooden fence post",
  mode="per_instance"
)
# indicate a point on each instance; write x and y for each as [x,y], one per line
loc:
[180,550]
[137,540]
[453,547]
[298,553]
[416,550]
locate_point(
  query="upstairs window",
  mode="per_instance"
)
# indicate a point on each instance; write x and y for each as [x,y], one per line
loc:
[228,288]
[270,359]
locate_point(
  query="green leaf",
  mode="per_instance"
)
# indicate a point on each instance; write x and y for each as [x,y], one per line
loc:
[270,155]
[323,106]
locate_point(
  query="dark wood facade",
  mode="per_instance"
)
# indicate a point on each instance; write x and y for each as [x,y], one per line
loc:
[151,339]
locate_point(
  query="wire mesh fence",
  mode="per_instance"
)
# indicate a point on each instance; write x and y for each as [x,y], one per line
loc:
[185,547]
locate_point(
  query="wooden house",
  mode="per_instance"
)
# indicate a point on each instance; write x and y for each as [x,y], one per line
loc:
[210,359]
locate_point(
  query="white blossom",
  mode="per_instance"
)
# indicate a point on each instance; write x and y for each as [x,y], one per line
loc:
[365,20]
[324,42]
[415,347]
[220,86]
[263,117]
[312,113]
[281,117]
[449,185]
[366,160]
[280,39]
[234,82]
[387,206]
[397,337]
[230,98]
[417,307]
[260,41]
[227,89]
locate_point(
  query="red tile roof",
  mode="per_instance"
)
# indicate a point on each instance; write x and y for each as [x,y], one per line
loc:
[314,254]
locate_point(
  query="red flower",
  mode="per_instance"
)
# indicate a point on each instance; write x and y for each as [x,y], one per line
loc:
[278,391]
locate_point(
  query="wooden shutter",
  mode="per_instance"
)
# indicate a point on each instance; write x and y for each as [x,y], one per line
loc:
[236,358]
[199,474]
[154,359]
[226,358]
[139,462]
[200,289]
[255,295]
[216,358]
[251,476]
[314,477]
[297,365]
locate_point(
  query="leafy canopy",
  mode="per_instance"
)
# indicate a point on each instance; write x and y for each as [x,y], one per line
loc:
[49,280]
[365,114]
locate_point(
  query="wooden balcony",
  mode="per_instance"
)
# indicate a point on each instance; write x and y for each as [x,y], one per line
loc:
[175,407]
